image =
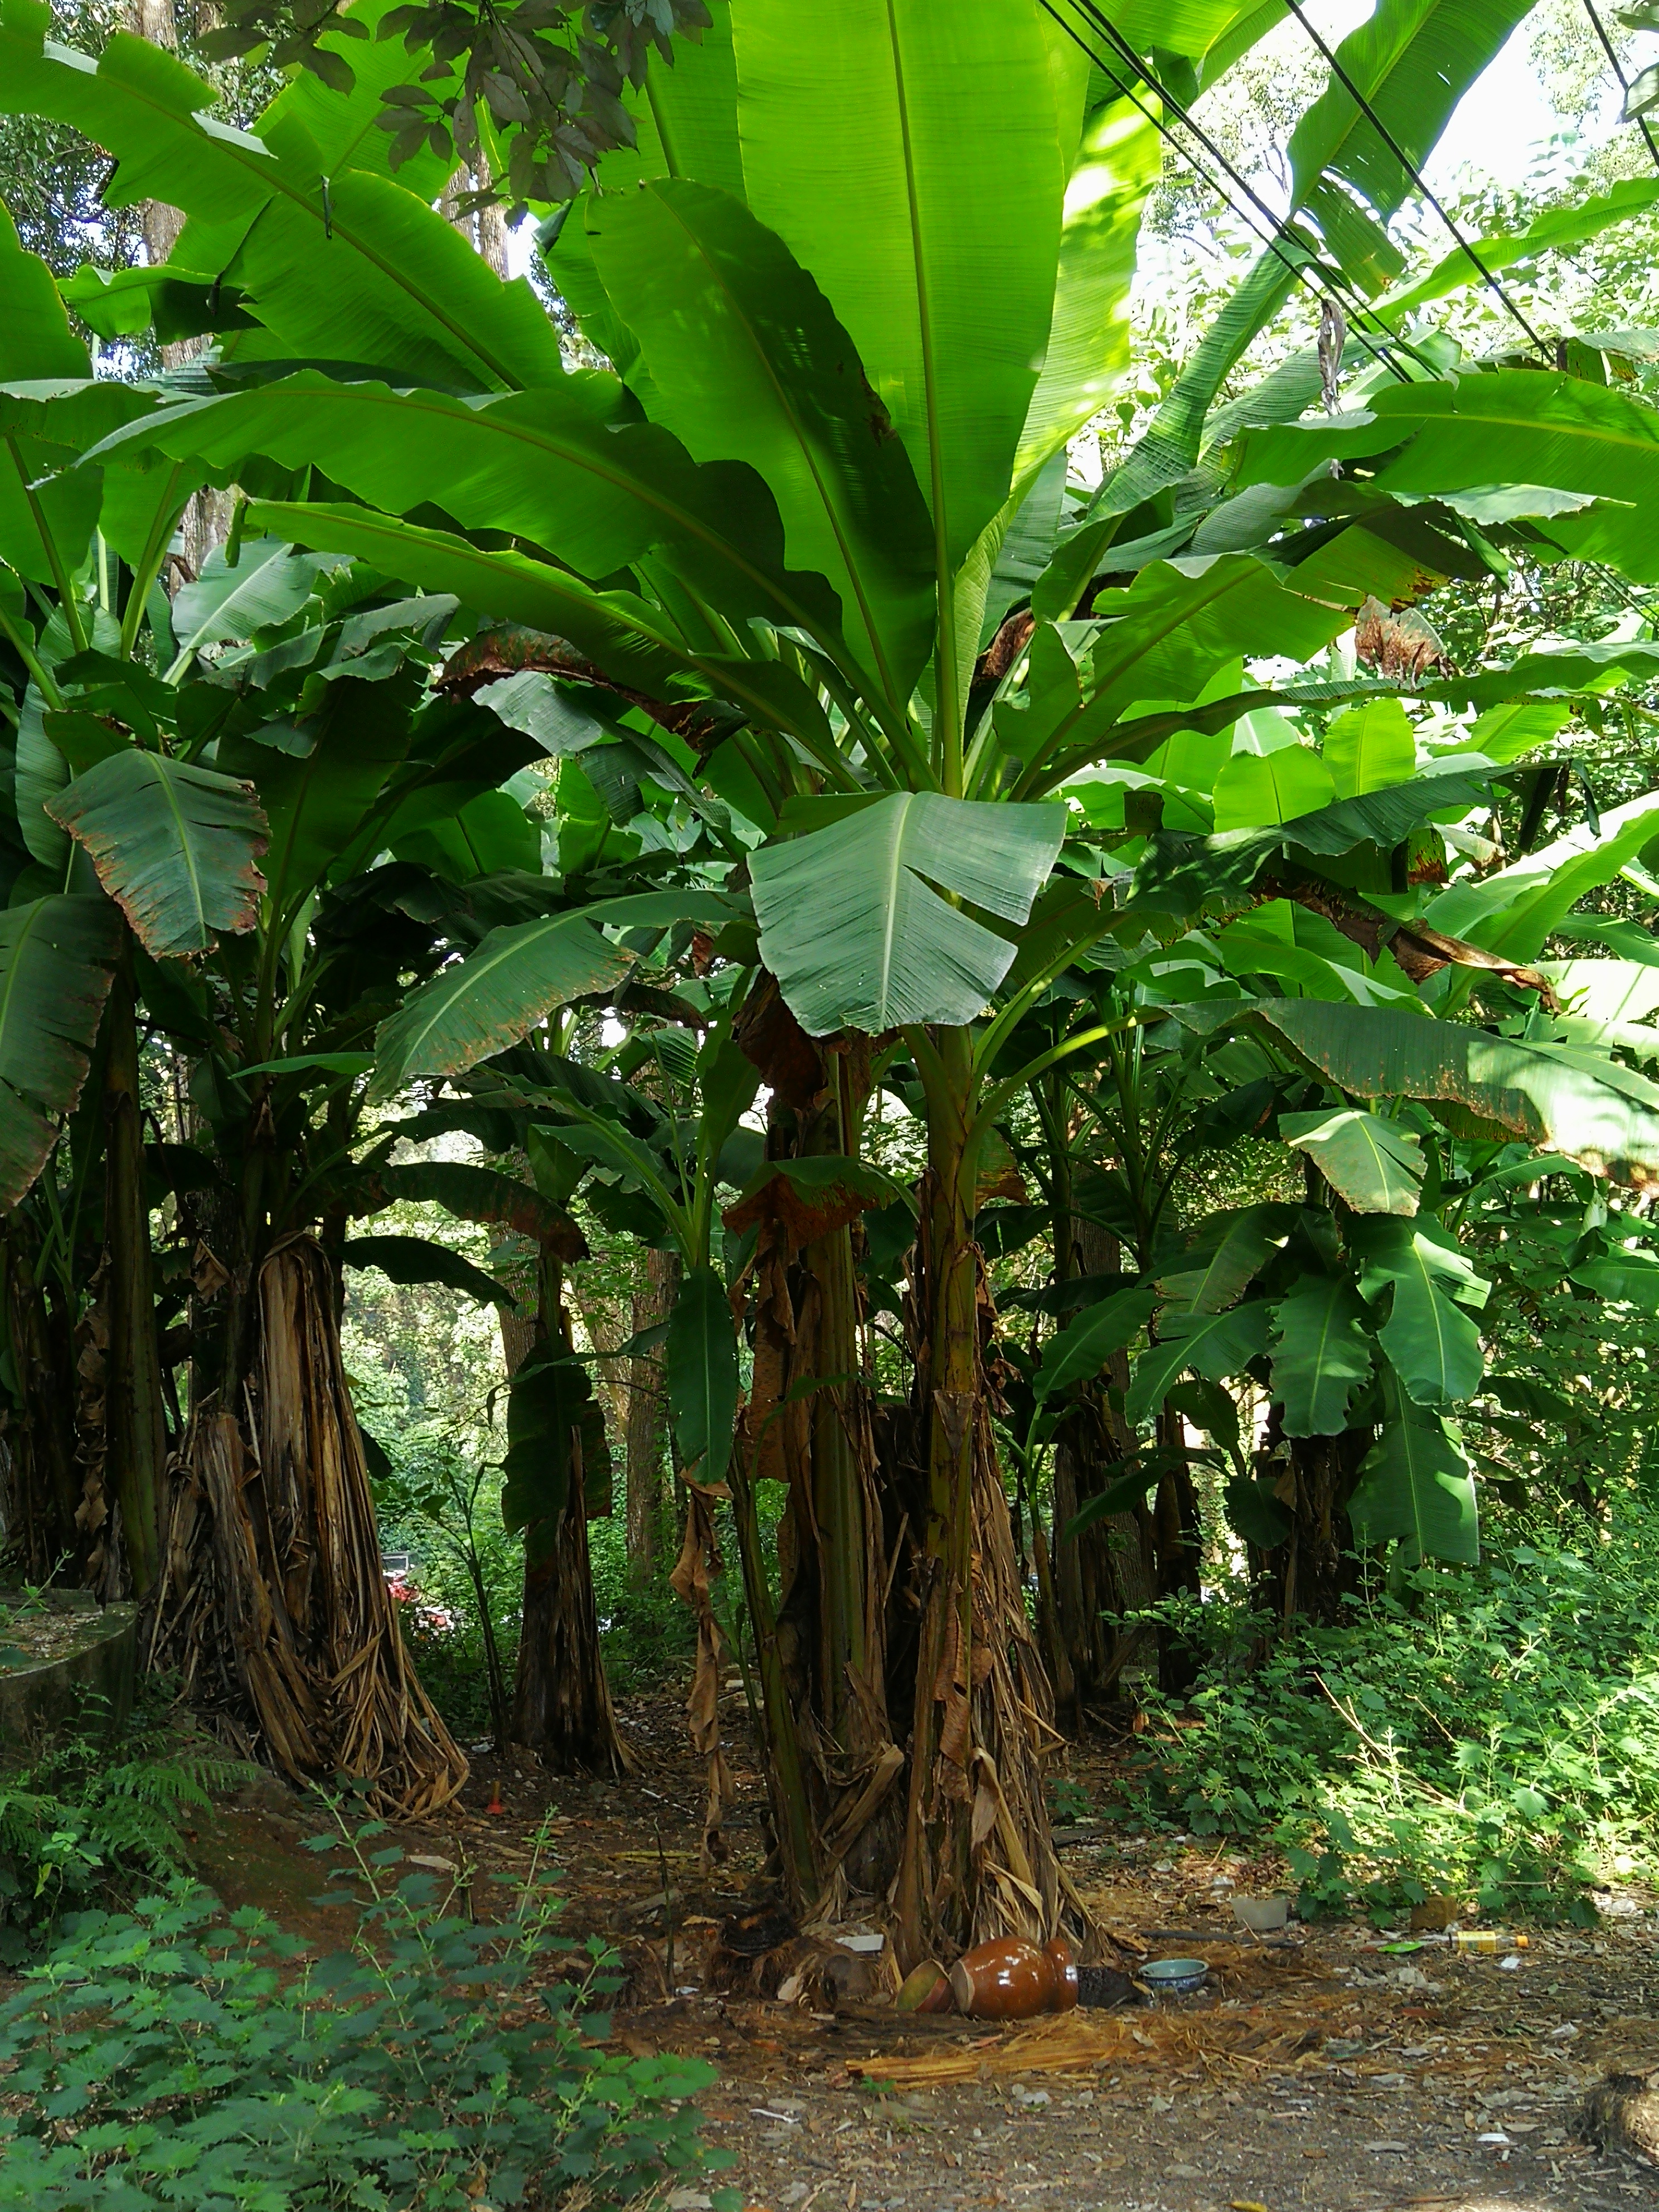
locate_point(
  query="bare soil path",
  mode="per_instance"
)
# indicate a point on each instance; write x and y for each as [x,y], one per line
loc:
[1314,2071]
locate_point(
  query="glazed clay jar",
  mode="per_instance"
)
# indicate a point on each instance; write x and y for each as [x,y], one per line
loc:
[1011,1979]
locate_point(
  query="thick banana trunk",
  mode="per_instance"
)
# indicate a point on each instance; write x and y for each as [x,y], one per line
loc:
[272,1607]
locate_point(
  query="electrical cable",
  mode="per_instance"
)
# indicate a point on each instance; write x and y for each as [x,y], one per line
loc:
[1611,52]
[1339,280]
[1417,177]
[1270,238]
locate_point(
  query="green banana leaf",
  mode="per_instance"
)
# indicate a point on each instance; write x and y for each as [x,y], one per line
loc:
[498,995]
[1597,1112]
[57,956]
[1433,1344]
[1216,1345]
[1513,427]
[1232,1250]
[857,936]
[1375,1165]
[340,263]
[747,362]
[1321,1355]
[1412,61]
[701,1360]
[1077,1352]
[418,1259]
[1416,1484]
[556,467]
[1552,232]
[853,122]
[175,846]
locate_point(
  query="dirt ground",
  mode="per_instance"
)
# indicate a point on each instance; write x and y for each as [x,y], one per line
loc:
[1315,2070]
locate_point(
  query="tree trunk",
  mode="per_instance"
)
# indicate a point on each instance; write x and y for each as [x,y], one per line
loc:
[134,1418]
[561,1708]
[645,1433]
[1107,1568]
[977,1857]
[822,1658]
[272,1605]
[43,1492]
[1316,1568]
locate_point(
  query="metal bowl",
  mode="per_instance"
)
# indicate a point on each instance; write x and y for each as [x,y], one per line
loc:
[1175,1977]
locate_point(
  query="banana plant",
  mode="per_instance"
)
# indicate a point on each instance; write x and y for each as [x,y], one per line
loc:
[777,528]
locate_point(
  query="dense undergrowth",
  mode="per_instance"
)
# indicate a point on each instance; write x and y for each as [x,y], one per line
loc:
[177,2054]
[1489,1733]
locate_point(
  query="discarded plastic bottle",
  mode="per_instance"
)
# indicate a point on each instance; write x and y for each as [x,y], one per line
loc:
[1487,1939]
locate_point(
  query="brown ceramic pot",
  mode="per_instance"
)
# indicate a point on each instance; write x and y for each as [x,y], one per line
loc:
[1011,1979]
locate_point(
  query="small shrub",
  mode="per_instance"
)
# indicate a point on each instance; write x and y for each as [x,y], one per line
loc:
[178,2055]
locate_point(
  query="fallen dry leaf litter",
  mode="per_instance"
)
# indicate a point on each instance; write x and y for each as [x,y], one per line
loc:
[1314,2071]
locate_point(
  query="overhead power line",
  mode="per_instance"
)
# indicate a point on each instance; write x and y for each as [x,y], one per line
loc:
[1278,230]
[1612,53]
[1416,174]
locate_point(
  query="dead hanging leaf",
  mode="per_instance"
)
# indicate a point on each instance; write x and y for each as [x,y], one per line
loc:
[207,1271]
[809,1199]
[998,1174]
[790,1063]
[692,1583]
[511,650]
[1401,648]
[1005,648]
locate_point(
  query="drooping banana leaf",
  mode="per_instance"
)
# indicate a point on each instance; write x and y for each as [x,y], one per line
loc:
[516,977]
[1375,1165]
[1321,1355]
[1604,1116]
[177,847]
[57,956]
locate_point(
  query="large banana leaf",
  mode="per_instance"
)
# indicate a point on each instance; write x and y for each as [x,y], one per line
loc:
[317,802]
[855,122]
[470,1193]
[1370,747]
[1412,60]
[553,466]
[270,582]
[1375,1165]
[1416,1484]
[1119,162]
[1596,1111]
[57,955]
[630,640]
[747,362]
[1321,1355]
[418,1259]
[1216,1345]
[1433,1344]
[702,1360]
[1552,232]
[1515,427]
[1229,1255]
[342,264]
[857,937]
[1513,911]
[1077,1352]
[176,847]
[550,1409]
[516,977]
